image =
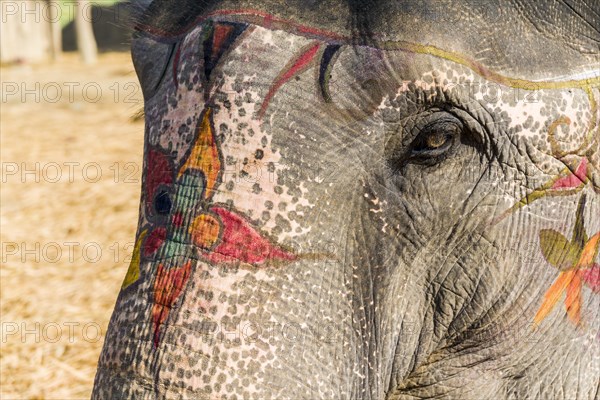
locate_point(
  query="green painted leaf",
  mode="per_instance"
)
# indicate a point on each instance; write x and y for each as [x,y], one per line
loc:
[557,249]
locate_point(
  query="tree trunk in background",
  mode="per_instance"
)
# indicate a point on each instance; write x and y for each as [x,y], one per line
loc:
[24,31]
[85,34]
[55,32]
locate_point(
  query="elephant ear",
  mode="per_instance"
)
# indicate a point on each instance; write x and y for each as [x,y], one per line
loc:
[558,251]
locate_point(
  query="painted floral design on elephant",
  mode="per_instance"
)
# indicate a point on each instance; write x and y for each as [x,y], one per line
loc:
[174,237]
[575,261]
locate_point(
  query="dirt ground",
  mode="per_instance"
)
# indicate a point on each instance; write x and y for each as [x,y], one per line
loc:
[71,164]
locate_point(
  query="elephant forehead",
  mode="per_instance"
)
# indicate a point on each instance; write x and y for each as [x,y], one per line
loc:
[254,89]
[275,127]
[527,97]
[533,40]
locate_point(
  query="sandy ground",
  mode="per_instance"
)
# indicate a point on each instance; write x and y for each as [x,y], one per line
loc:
[71,164]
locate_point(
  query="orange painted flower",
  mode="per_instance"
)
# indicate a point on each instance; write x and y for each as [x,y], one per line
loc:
[575,259]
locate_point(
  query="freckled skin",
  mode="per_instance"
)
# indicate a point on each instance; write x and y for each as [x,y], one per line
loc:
[388,194]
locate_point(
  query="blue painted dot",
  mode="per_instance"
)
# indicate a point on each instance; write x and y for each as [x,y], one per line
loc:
[162,202]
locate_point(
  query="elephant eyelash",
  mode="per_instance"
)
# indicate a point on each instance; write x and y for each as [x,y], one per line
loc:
[432,137]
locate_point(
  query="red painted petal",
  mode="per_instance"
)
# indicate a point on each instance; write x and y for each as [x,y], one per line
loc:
[178,219]
[159,171]
[154,241]
[220,36]
[572,180]
[168,286]
[591,277]
[299,65]
[241,242]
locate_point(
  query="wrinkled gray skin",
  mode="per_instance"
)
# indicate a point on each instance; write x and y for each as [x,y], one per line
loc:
[408,284]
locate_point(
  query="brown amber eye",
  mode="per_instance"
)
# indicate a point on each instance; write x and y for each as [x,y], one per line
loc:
[436,140]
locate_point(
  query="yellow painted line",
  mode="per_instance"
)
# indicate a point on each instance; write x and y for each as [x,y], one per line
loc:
[486,72]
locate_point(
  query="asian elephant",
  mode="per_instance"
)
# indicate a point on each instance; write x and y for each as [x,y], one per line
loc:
[364,200]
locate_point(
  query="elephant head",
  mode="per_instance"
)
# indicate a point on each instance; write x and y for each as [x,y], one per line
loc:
[348,199]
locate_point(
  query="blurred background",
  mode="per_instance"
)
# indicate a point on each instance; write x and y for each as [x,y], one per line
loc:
[71,138]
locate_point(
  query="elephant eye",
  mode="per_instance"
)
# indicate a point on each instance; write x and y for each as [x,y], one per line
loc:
[162,202]
[435,139]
